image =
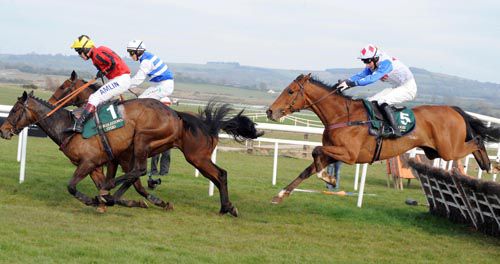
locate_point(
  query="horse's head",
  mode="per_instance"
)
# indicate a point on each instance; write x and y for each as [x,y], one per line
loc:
[292,99]
[20,116]
[66,88]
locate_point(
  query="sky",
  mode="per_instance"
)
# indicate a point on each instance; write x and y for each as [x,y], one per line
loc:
[460,38]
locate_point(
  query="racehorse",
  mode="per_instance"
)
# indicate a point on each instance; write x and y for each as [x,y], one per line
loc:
[97,175]
[441,131]
[150,128]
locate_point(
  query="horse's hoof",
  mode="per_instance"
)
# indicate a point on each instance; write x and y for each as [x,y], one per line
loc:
[143,204]
[277,200]
[169,207]
[234,212]
[101,209]
[107,199]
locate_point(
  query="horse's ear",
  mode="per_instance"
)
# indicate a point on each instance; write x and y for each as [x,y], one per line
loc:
[31,93]
[299,77]
[25,96]
[73,76]
[308,75]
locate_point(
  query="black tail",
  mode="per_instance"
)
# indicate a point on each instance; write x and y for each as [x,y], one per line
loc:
[213,118]
[477,127]
[241,128]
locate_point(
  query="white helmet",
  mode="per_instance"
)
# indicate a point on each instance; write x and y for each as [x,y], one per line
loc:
[136,45]
[368,52]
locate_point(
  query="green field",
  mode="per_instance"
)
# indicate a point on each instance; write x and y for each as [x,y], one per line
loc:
[40,222]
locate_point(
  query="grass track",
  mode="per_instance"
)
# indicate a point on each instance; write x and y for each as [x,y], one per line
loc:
[41,223]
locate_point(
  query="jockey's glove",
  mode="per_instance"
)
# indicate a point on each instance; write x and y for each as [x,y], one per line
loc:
[345,84]
[100,75]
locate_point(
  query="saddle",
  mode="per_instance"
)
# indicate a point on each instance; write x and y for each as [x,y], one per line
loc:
[108,118]
[380,126]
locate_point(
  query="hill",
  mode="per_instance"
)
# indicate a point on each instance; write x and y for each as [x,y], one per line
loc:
[434,88]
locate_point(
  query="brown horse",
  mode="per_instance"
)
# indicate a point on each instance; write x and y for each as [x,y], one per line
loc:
[97,175]
[150,128]
[441,131]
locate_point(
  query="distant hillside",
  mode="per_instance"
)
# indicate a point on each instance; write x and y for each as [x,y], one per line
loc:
[434,88]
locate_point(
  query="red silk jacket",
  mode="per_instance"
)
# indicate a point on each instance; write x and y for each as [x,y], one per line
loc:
[108,62]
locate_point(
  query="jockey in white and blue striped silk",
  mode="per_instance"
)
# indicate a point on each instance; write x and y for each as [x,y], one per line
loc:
[380,66]
[154,68]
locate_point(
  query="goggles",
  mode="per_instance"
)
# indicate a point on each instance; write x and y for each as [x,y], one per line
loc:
[367,61]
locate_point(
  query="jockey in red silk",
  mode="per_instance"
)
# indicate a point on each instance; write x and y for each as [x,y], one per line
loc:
[108,64]
[380,66]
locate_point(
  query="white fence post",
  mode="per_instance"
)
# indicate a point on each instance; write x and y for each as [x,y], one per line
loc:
[362,185]
[275,163]
[24,141]
[211,185]
[356,177]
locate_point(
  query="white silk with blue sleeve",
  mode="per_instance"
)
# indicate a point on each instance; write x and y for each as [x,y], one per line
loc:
[393,71]
[160,76]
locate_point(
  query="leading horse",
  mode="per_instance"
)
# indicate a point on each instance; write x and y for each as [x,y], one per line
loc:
[150,128]
[441,131]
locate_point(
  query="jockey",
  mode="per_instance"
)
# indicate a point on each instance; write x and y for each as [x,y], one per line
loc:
[380,66]
[162,80]
[151,66]
[108,64]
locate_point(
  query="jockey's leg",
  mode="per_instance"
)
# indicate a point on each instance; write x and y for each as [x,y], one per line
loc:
[78,125]
[389,112]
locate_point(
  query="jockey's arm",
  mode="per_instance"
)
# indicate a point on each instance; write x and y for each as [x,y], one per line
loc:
[141,74]
[108,60]
[383,68]
[365,72]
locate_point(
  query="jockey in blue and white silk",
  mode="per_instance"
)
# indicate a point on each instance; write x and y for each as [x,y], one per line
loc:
[154,68]
[381,66]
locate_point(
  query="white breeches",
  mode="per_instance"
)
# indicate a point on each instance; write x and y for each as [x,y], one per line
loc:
[400,94]
[160,90]
[113,87]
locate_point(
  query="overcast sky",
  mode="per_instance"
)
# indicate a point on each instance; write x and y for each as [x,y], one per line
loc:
[453,37]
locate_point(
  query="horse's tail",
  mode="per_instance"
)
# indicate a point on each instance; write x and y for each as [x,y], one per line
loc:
[239,127]
[477,127]
[213,118]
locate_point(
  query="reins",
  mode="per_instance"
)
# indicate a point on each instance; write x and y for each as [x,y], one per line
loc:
[70,96]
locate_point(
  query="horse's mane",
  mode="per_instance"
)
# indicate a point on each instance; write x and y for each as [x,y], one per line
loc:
[327,86]
[40,100]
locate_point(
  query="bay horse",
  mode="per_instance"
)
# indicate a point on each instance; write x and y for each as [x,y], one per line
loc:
[97,175]
[150,128]
[441,131]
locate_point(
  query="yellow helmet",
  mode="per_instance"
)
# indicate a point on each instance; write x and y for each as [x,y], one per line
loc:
[83,42]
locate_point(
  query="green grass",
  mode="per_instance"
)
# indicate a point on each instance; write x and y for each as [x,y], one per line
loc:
[40,222]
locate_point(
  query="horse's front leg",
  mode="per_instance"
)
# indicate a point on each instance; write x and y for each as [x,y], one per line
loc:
[288,189]
[99,180]
[324,155]
[80,173]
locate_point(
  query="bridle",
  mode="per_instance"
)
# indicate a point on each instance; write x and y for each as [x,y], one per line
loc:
[66,90]
[14,128]
[69,90]
[308,104]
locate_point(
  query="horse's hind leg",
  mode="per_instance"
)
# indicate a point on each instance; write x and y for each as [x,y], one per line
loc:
[481,156]
[142,191]
[218,176]
[306,173]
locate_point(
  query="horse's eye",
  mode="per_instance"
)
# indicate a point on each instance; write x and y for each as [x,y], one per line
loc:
[290,91]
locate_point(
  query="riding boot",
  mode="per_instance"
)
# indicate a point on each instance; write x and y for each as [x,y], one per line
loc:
[390,117]
[78,125]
